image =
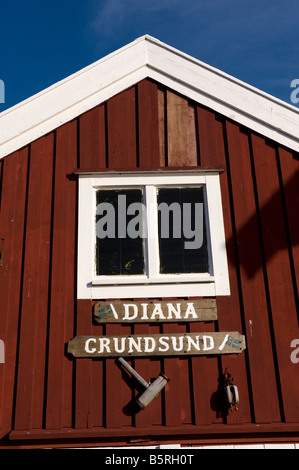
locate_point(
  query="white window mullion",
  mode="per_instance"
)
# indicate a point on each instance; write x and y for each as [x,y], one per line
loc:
[152,231]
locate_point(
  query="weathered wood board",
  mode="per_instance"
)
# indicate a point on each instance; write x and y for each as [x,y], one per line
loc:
[152,311]
[157,345]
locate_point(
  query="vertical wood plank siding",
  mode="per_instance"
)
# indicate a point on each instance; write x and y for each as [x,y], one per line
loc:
[146,127]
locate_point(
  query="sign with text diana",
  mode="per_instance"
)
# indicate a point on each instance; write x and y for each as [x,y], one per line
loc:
[152,312]
[157,345]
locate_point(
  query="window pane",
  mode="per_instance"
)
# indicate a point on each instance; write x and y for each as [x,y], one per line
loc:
[182,231]
[118,253]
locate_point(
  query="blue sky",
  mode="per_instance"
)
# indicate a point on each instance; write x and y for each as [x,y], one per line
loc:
[44,42]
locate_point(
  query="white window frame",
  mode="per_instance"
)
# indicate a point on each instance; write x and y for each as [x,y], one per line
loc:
[152,284]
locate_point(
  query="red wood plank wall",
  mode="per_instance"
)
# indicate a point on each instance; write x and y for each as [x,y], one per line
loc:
[46,394]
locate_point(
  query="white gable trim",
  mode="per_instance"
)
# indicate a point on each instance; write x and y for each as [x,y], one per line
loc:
[148,57]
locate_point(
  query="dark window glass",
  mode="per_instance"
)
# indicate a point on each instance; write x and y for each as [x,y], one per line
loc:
[184,249]
[117,253]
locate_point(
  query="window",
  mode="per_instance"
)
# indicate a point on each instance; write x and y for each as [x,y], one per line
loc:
[151,234]
[118,252]
[187,250]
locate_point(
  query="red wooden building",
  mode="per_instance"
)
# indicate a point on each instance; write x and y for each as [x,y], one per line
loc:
[148,117]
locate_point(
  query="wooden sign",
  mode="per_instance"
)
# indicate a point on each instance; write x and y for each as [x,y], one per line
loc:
[157,345]
[150,311]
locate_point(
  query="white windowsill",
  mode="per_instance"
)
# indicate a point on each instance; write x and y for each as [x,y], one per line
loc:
[167,279]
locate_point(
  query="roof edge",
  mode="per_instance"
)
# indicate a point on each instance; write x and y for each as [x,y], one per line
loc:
[142,58]
[220,73]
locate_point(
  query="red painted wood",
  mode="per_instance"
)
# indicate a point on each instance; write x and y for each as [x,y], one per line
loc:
[282,432]
[211,139]
[62,299]
[1,170]
[122,151]
[149,368]
[89,387]
[281,290]
[177,391]
[119,386]
[206,370]
[162,125]
[98,388]
[35,288]
[121,128]
[12,221]
[212,153]
[205,375]
[121,131]
[254,295]
[148,125]
[89,405]
[92,138]
[192,135]
[84,383]
[290,178]
[90,380]
[95,396]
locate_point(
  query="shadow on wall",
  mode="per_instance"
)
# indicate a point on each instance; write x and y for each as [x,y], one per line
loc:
[273,233]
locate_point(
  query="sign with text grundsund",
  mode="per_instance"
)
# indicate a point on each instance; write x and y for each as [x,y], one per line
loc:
[157,345]
[152,311]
